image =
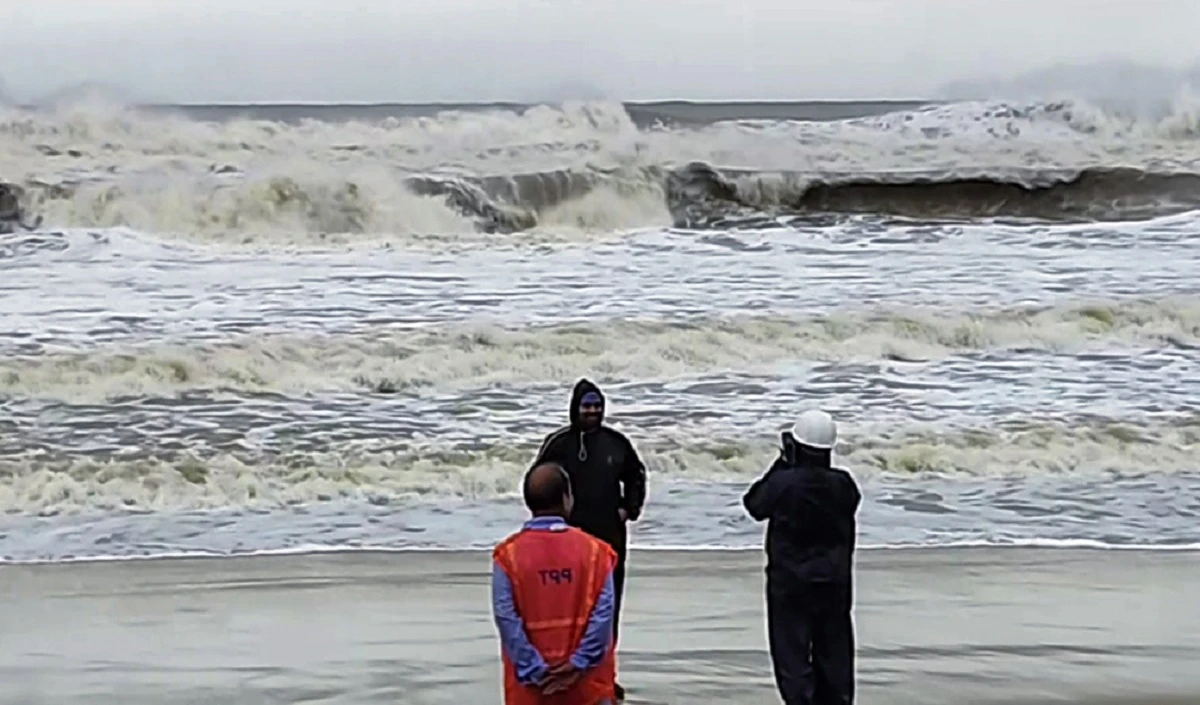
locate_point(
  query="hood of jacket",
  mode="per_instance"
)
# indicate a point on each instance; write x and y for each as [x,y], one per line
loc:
[582,387]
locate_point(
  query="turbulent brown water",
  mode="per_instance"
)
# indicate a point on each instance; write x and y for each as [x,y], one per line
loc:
[273,327]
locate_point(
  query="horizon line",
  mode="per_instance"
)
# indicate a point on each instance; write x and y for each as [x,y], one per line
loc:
[655,102]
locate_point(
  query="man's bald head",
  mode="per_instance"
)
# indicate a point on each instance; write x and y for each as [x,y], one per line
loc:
[548,490]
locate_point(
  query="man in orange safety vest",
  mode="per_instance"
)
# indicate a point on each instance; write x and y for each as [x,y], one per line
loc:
[552,599]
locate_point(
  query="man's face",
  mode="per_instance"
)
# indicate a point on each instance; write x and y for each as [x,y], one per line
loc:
[590,413]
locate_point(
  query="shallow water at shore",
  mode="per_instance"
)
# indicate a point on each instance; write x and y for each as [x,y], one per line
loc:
[934,626]
[1149,511]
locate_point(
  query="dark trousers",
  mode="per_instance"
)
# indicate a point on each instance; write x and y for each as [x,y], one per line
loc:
[619,589]
[621,547]
[811,636]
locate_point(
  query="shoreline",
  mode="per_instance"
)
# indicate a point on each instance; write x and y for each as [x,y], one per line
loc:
[459,552]
[933,627]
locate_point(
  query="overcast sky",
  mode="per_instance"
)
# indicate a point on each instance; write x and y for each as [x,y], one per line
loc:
[442,50]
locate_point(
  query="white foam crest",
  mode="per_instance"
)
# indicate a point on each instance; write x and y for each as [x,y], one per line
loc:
[294,206]
[156,171]
[381,212]
[996,120]
[361,206]
[82,125]
[608,209]
[41,484]
[971,135]
[474,355]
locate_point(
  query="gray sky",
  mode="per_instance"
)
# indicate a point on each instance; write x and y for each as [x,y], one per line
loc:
[410,50]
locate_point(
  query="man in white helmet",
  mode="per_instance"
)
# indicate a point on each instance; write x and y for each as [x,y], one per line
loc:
[810,507]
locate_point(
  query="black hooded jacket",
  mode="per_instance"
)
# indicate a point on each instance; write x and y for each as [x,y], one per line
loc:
[606,473]
[811,528]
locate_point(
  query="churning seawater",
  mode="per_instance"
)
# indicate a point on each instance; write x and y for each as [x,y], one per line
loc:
[997,380]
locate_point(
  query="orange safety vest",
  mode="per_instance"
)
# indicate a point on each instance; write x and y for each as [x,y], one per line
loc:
[557,577]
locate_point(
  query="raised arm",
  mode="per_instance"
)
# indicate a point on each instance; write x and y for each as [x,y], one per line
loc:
[762,497]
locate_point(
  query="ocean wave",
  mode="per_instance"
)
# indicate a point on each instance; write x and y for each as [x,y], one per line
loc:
[703,197]
[588,167]
[48,484]
[471,356]
[539,206]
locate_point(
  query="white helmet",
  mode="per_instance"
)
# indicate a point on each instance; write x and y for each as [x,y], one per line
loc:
[815,429]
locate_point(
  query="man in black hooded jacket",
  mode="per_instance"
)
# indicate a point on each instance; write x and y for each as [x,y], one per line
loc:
[608,478]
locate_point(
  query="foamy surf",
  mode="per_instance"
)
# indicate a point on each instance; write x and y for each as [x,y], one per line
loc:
[484,549]
[948,514]
[45,482]
[620,350]
[583,166]
[274,334]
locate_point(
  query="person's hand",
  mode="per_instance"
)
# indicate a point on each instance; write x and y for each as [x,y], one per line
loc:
[560,678]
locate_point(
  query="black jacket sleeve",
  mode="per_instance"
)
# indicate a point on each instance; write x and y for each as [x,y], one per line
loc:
[633,482]
[762,497]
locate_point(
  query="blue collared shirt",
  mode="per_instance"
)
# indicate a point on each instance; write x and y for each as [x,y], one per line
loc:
[531,668]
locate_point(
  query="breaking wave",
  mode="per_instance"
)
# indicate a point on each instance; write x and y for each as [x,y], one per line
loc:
[589,167]
[38,484]
[703,197]
[469,356]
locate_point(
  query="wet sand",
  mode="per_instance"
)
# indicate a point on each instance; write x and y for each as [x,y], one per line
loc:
[935,626]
